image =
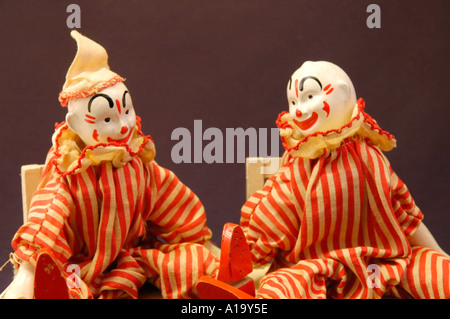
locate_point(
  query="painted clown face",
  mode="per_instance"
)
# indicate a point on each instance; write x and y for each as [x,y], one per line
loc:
[321,97]
[106,117]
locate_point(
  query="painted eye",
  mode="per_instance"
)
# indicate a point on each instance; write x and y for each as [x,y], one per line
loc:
[127,112]
[108,119]
[310,97]
[293,102]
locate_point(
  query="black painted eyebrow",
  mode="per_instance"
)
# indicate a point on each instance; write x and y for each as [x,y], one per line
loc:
[309,77]
[123,98]
[110,101]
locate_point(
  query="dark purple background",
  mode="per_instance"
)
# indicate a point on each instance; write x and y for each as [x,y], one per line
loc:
[227,63]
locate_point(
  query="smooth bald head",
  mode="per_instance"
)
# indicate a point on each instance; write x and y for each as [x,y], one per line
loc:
[321,97]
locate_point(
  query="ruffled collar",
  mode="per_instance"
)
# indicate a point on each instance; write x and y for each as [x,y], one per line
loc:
[314,145]
[72,156]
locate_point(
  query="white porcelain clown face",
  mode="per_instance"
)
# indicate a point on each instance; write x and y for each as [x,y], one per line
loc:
[321,97]
[106,117]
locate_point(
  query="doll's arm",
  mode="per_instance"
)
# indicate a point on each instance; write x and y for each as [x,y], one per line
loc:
[176,214]
[410,216]
[47,223]
[423,237]
[270,220]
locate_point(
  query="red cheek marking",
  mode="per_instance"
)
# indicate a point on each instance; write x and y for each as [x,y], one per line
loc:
[326,107]
[89,119]
[296,88]
[118,106]
[328,87]
[95,135]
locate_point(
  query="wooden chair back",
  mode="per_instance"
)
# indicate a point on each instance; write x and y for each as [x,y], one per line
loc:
[258,170]
[30,176]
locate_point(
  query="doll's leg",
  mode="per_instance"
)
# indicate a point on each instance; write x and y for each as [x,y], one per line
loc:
[190,262]
[306,280]
[428,275]
[176,268]
[124,281]
[288,283]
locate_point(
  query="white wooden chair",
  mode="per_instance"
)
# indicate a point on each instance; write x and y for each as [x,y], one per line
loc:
[258,170]
[30,176]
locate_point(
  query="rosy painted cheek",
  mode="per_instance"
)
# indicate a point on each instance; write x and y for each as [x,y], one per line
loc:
[95,135]
[326,107]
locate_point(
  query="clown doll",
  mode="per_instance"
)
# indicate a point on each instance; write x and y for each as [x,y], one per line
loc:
[104,207]
[336,221]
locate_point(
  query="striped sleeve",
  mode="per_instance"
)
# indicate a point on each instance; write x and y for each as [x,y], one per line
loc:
[47,219]
[408,214]
[269,218]
[177,215]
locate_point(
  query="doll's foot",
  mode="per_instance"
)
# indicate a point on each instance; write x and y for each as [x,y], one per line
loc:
[210,288]
[235,264]
[235,257]
[50,281]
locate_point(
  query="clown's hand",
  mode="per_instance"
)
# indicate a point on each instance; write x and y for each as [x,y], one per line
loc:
[22,286]
[423,237]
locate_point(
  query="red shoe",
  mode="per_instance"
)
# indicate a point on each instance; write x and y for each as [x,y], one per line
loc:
[235,257]
[235,264]
[209,288]
[49,281]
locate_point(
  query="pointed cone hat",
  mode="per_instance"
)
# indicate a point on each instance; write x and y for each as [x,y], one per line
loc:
[89,72]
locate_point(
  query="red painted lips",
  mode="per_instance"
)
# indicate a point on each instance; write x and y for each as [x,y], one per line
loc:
[308,123]
[124,140]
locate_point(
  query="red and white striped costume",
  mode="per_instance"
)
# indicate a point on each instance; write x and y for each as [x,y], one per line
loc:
[334,220]
[119,216]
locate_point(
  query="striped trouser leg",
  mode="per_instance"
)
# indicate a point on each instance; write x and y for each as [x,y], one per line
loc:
[427,275]
[307,279]
[124,281]
[176,268]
